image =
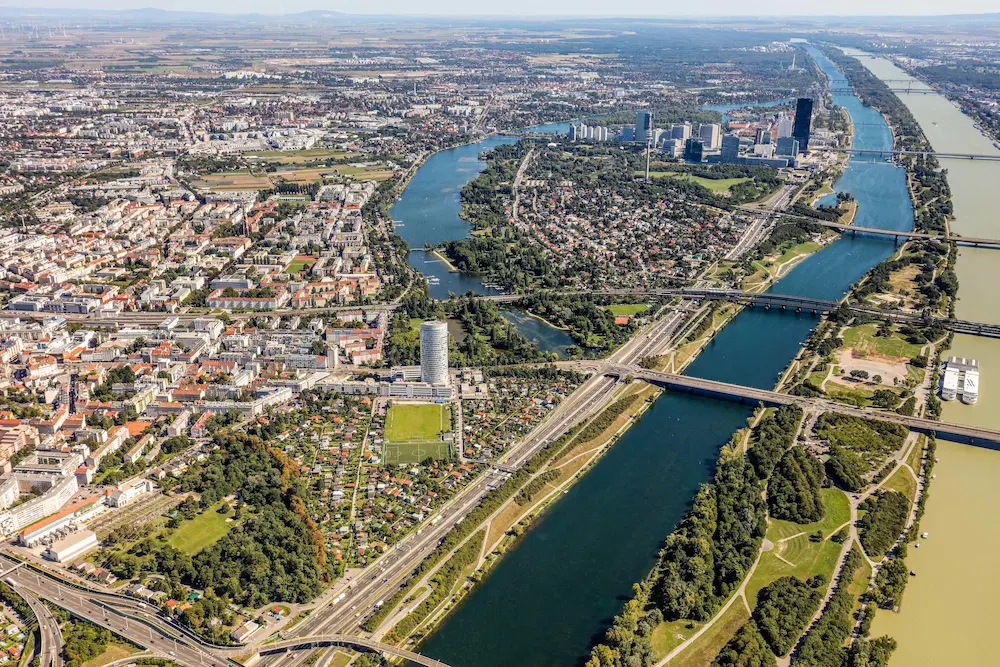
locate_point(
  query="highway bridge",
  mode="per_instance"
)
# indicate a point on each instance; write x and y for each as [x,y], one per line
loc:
[949,431]
[320,641]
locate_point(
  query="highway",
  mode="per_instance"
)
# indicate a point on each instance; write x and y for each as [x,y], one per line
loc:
[131,619]
[381,579]
[50,649]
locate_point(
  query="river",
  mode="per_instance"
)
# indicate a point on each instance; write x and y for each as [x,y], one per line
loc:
[949,609]
[552,596]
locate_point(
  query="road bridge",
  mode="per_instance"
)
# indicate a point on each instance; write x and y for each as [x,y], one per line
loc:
[873,231]
[943,155]
[908,91]
[321,641]
[821,306]
[949,431]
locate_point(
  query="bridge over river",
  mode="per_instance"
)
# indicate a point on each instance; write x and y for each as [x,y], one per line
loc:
[950,431]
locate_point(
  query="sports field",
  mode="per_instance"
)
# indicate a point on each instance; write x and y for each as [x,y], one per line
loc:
[413,433]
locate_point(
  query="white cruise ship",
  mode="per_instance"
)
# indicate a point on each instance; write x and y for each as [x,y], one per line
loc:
[970,387]
[949,384]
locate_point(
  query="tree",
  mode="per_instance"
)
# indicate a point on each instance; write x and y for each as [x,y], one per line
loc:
[793,491]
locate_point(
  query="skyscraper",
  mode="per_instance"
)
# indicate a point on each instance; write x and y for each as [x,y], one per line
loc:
[803,122]
[710,135]
[784,127]
[694,150]
[787,146]
[730,149]
[643,126]
[680,131]
[434,352]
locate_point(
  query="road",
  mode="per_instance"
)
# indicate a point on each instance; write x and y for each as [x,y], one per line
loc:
[381,579]
[50,650]
[131,619]
[762,224]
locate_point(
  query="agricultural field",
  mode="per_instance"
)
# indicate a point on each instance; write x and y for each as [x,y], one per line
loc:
[241,179]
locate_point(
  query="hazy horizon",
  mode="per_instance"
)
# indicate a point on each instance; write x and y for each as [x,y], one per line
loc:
[550,9]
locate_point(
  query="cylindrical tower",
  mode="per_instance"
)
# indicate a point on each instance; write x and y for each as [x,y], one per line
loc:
[434,352]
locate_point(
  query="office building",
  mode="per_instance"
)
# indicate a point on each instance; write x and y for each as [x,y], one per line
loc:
[784,127]
[434,352]
[694,150]
[787,146]
[710,135]
[672,147]
[803,122]
[762,137]
[680,131]
[643,126]
[730,149]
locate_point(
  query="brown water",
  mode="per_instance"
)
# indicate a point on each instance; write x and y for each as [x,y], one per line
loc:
[948,616]
[949,610]
[974,185]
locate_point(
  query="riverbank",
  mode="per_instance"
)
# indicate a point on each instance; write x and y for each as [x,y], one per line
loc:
[504,529]
[956,580]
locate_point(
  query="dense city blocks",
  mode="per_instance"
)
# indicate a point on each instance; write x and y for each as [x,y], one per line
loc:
[336,339]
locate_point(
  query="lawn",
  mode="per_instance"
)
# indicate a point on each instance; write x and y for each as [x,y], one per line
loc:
[863,339]
[413,433]
[718,185]
[340,659]
[629,309]
[807,558]
[111,653]
[234,180]
[668,635]
[297,157]
[202,531]
[703,650]
[903,482]
[299,264]
[917,453]
[407,422]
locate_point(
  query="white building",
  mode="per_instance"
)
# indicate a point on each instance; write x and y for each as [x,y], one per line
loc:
[71,546]
[434,352]
[710,135]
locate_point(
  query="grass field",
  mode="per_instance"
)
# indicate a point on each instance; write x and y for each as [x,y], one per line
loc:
[863,339]
[807,558]
[340,659]
[234,180]
[111,653]
[629,309]
[668,635]
[298,157]
[202,531]
[903,482]
[703,650]
[718,185]
[917,453]
[299,264]
[413,433]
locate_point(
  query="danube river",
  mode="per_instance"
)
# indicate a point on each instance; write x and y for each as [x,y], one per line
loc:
[552,596]
[949,609]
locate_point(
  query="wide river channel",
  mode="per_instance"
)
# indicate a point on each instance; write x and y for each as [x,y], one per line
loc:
[545,603]
[948,615]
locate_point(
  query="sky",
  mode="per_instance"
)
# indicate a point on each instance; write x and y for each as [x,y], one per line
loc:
[661,8]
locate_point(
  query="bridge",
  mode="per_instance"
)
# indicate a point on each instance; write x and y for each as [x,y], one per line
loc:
[943,155]
[820,306]
[949,431]
[909,91]
[895,234]
[320,641]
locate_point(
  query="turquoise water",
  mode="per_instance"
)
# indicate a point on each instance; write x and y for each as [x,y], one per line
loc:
[555,594]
